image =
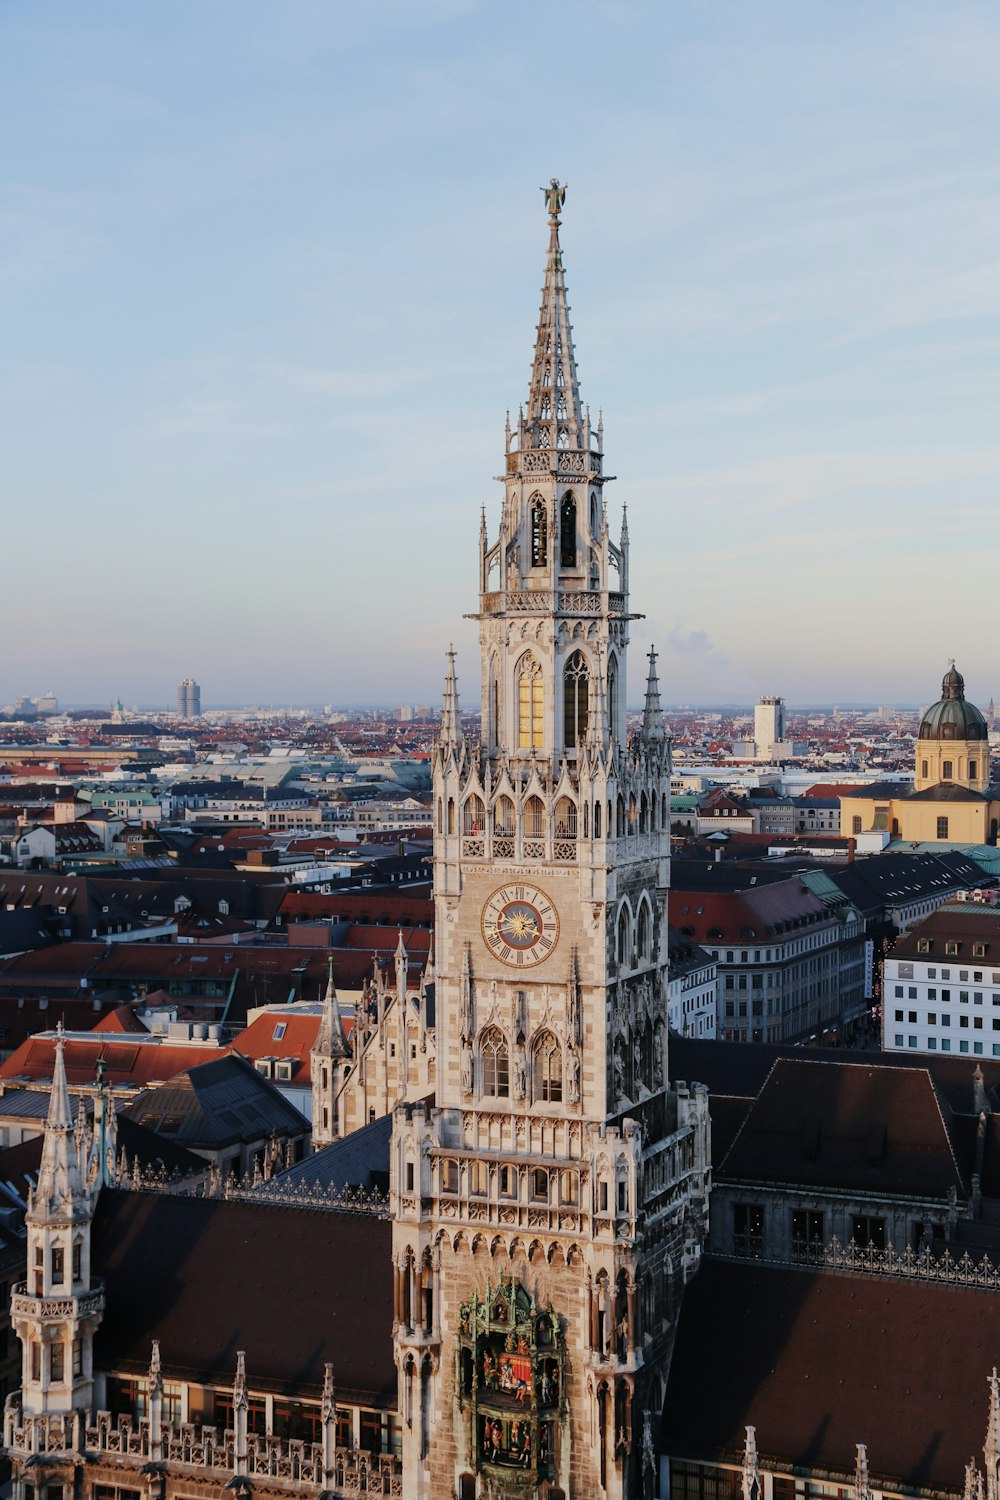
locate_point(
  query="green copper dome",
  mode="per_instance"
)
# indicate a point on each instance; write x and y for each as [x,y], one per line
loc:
[952,718]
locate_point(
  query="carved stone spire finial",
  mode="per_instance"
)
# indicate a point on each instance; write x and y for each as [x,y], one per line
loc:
[991,1447]
[451,730]
[751,1467]
[652,713]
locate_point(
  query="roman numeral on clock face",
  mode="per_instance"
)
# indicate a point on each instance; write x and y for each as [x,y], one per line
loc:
[520,925]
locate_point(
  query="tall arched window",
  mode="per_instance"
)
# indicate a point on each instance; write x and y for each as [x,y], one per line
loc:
[530,704]
[946,770]
[546,1060]
[473,816]
[534,818]
[613,697]
[504,822]
[595,515]
[642,931]
[539,533]
[576,693]
[495,1060]
[624,935]
[567,532]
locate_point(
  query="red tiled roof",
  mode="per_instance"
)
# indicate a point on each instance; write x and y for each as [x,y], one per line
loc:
[744,916]
[355,906]
[122,1019]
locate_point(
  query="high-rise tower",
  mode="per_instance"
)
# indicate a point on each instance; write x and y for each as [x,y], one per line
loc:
[188,699]
[551,1203]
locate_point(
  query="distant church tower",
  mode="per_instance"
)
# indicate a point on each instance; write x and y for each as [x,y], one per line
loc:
[550,1206]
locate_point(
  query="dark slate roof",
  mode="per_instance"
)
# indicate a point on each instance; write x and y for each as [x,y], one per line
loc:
[361,1159]
[139,1144]
[882,791]
[217,1104]
[884,879]
[739,1069]
[825,1125]
[724,875]
[818,1362]
[293,1288]
[947,791]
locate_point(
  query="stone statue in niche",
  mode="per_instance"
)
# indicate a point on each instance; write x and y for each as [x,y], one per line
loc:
[467,1067]
[619,1075]
[520,1072]
[573,1075]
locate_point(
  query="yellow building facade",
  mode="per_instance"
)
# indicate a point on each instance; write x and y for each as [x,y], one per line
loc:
[953,798]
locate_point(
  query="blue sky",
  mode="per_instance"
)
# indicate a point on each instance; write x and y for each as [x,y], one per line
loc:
[268,280]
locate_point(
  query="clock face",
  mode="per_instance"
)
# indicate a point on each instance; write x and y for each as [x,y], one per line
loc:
[520,925]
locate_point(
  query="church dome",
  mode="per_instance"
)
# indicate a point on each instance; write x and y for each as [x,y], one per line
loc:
[952,717]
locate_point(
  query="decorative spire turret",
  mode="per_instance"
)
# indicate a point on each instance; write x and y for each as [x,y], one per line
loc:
[451,729]
[862,1483]
[331,1039]
[402,965]
[751,1466]
[61,1183]
[991,1447]
[652,714]
[555,413]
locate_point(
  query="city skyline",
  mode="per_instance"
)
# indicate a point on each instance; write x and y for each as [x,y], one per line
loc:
[252,310]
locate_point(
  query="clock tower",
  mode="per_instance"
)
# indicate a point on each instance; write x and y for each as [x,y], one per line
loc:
[551,1200]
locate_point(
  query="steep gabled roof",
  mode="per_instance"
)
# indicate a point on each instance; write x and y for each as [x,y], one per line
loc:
[860,1128]
[209,1277]
[818,1362]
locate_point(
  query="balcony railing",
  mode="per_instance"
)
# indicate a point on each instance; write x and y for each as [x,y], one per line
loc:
[211,1450]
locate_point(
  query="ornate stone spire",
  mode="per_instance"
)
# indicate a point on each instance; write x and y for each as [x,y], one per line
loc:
[751,1467]
[402,964]
[555,414]
[60,1176]
[652,714]
[451,729]
[991,1447]
[862,1484]
[331,1039]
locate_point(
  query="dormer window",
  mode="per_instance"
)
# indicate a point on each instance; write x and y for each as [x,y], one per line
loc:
[923,945]
[979,950]
[951,948]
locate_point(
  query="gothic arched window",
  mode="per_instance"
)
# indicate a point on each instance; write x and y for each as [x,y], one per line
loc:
[642,931]
[613,697]
[576,694]
[534,818]
[473,816]
[566,818]
[504,823]
[624,935]
[567,532]
[496,1063]
[530,704]
[546,1059]
[539,532]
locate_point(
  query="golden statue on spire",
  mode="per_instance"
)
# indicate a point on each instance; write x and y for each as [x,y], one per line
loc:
[555,197]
